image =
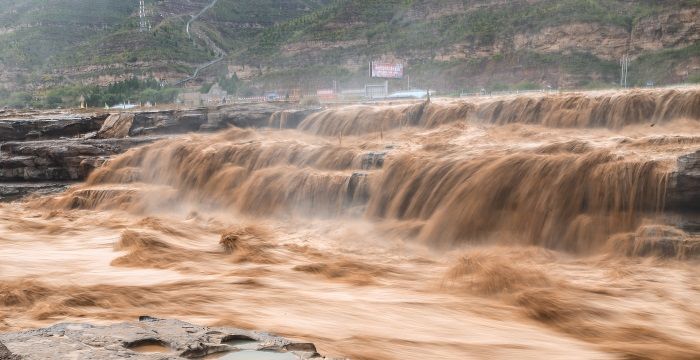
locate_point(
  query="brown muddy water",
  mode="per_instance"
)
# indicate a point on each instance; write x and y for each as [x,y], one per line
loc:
[516,228]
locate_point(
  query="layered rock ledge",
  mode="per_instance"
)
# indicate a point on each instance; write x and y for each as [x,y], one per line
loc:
[18,127]
[60,160]
[41,151]
[150,338]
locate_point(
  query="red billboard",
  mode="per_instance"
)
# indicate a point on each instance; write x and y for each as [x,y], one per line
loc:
[386,70]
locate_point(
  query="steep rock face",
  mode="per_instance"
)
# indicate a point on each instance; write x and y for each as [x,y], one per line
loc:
[670,30]
[604,41]
[673,29]
[149,338]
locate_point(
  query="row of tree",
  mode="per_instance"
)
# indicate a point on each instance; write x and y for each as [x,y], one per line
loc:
[132,90]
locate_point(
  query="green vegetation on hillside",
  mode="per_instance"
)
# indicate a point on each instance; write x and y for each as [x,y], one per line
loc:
[659,66]
[366,30]
[40,29]
[132,90]
[309,44]
[391,26]
[167,42]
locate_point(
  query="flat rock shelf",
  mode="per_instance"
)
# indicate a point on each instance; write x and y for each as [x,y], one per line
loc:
[150,338]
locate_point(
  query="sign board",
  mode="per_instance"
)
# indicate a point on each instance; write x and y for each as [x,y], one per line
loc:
[326,94]
[385,70]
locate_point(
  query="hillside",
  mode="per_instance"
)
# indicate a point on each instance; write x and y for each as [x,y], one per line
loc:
[447,44]
[451,44]
[48,43]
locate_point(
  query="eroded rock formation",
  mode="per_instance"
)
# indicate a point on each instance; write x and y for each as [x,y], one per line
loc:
[61,147]
[59,160]
[16,127]
[149,338]
[684,189]
[116,126]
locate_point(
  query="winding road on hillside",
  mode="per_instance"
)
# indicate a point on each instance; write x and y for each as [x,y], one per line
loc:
[220,53]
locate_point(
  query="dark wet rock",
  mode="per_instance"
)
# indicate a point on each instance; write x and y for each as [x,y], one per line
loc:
[290,119]
[373,160]
[5,354]
[43,146]
[689,223]
[45,125]
[213,119]
[158,122]
[150,338]
[357,193]
[168,122]
[14,191]
[60,160]
[48,126]
[684,185]
[243,116]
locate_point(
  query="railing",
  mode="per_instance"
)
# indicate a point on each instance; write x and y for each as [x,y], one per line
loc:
[508,92]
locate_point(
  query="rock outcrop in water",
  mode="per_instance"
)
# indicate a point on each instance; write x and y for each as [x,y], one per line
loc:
[18,127]
[51,148]
[150,338]
[45,126]
[685,183]
[5,354]
[60,160]
[116,126]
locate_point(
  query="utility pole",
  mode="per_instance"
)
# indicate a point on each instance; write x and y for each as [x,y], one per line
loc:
[624,67]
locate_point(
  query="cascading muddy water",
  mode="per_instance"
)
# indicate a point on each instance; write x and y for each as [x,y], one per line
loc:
[568,196]
[560,201]
[459,222]
[239,171]
[606,110]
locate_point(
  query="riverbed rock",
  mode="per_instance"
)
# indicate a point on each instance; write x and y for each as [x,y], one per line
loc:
[17,190]
[60,160]
[291,118]
[48,126]
[5,354]
[168,122]
[684,185]
[243,116]
[50,147]
[117,126]
[151,338]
